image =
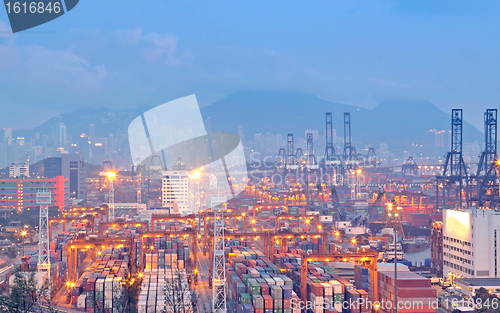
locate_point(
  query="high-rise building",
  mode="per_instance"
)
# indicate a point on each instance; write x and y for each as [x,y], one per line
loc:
[384,153]
[52,167]
[84,145]
[61,135]
[240,133]
[91,131]
[471,243]
[72,167]
[20,193]
[175,192]
[19,170]
[8,136]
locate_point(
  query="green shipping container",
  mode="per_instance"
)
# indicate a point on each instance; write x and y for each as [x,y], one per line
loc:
[244,278]
[254,288]
[245,298]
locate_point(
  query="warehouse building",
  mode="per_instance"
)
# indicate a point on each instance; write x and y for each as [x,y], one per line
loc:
[20,193]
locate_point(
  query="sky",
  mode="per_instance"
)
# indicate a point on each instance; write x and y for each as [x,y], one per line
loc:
[127,53]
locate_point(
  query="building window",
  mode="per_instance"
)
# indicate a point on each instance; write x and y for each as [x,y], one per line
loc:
[483,273]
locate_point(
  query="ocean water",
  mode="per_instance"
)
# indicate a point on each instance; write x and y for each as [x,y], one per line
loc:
[419,256]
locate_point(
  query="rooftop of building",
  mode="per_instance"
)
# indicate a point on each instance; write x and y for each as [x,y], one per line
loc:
[477,211]
[479,282]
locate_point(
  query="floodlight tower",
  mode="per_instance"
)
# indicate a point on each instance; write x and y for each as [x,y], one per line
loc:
[219,267]
[111,176]
[44,199]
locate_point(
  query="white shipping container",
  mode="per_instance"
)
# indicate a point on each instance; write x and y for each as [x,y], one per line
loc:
[279,281]
[141,307]
[108,294]
[80,302]
[108,303]
[327,289]
[337,286]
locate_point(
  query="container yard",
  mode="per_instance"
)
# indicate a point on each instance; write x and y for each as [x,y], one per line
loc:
[93,272]
[279,257]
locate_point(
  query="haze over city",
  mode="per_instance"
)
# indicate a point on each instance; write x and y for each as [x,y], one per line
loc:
[249,156]
[354,52]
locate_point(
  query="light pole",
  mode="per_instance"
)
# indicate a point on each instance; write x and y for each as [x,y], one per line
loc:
[357,189]
[395,271]
[111,176]
[23,233]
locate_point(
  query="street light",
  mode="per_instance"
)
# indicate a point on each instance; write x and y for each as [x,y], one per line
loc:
[23,233]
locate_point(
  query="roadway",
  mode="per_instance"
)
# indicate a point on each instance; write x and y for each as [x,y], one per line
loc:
[203,292]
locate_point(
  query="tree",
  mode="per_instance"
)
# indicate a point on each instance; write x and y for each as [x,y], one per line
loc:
[25,296]
[177,293]
[488,302]
[131,296]
[131,292]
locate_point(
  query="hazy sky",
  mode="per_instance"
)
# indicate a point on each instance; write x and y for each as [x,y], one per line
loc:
[129,52]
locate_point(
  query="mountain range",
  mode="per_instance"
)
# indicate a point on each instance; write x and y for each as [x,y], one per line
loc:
[397,123]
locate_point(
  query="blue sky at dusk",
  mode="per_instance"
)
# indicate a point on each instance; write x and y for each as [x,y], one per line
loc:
[128,53]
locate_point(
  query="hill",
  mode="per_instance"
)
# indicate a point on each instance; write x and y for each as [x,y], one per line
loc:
[398,123]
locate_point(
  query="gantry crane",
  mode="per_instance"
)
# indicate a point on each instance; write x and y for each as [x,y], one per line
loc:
[104,226]
[102,242]
[455,170]
[489,155]
[191,219]
[64,220]
[410,166]
[102,211]
[366,218]
[489,188]
[307,219]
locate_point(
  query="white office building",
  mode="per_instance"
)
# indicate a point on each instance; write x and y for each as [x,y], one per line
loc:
[471,241]
[18,170]
[175,192]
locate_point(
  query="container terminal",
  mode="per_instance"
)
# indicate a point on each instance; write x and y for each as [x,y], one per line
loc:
[332,231]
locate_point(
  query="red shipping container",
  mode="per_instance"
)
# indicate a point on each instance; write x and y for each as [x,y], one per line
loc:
[287,304]
[363,295]
[416,292]
[268,301]
[317,289]
[264,289]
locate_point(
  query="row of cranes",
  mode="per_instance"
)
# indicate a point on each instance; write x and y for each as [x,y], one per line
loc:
[333,166]
[460,184]
[457,184]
